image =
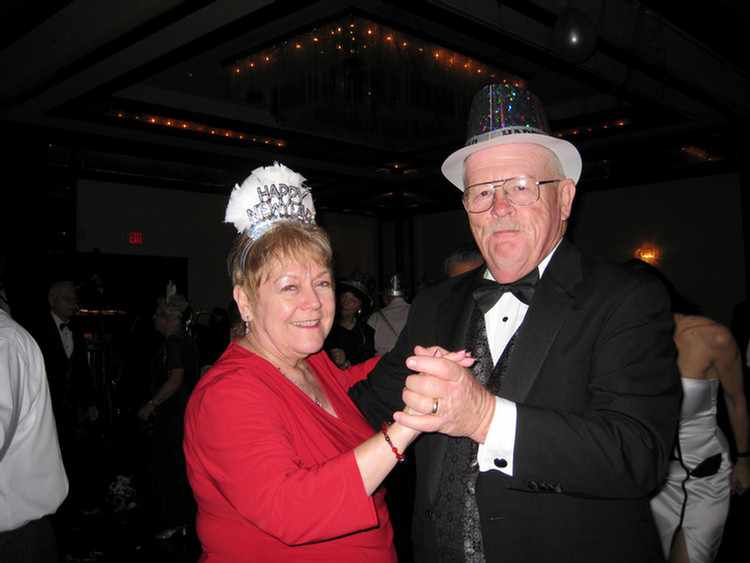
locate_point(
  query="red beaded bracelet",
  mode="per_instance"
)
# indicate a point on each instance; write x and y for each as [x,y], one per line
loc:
[384,430]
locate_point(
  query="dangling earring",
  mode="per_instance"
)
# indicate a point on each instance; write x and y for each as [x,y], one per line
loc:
[248,328]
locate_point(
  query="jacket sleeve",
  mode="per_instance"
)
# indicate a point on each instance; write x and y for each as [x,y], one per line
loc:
[615,438]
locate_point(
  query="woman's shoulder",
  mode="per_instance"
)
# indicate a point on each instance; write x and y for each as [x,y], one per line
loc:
[235,367]
[699,328]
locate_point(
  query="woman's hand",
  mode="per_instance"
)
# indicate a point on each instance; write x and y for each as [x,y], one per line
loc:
[741,476]
[447,396]
[462,357]
[146,411]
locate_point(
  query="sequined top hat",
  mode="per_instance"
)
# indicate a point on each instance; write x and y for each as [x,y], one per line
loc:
[361,283]
[270,195]
[505,113]
[393,285]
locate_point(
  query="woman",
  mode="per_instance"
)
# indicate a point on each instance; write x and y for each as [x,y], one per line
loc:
[174,373]
[352,341]
[282,464]
[692,506]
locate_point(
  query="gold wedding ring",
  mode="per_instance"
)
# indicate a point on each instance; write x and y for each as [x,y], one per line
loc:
[434,405]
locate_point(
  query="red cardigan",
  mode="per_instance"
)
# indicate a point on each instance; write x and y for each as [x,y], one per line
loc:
[274,475]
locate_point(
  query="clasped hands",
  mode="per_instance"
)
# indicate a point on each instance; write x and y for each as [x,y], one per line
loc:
[464,406]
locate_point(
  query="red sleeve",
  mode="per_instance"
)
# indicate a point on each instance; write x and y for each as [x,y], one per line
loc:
[247,442]
[352,374]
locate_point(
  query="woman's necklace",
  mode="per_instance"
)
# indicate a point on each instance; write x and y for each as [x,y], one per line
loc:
[304,389]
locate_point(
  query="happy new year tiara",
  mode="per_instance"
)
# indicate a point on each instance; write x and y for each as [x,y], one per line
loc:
[270,195]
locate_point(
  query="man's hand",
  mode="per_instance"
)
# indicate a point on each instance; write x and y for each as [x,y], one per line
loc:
[464,406]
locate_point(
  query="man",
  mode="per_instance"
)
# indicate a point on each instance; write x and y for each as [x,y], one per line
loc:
[549,449]
[462,259]
[71,387]
[65,357]
[388,321]
[32,477]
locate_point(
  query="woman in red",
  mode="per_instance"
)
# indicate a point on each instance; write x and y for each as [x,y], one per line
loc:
[282,464]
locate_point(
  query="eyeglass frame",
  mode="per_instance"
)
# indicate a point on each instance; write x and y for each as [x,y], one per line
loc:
[502,187]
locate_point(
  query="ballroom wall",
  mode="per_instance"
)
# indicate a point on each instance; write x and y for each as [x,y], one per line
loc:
[696,224]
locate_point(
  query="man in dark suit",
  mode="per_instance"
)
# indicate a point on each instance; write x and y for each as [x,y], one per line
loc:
[547,449]
[72,391]
[65,357]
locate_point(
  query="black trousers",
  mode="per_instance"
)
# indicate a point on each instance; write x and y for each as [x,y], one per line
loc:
[31,543]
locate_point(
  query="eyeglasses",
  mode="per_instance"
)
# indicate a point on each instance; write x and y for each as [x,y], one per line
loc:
[520,190]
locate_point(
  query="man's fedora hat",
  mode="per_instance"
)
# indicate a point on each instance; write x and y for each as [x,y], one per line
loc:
[507,113]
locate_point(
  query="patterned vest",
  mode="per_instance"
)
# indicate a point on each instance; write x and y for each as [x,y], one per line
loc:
[457,526]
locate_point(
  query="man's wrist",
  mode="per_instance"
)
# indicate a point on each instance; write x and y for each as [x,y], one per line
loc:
[488,408]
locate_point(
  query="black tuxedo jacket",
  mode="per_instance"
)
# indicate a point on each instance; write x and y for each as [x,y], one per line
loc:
[82,392]
[594,377]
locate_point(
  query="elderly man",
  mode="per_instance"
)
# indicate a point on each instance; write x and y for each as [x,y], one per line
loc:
[72,392]
[65,358]
[548,448]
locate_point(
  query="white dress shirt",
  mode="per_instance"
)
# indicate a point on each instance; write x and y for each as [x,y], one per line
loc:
[66,334]
[502,322]
[32,478]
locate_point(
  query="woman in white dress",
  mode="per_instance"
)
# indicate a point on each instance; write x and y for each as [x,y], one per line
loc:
[692,506]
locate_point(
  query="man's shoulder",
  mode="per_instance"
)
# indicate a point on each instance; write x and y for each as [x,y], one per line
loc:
[575,266]
[446,288]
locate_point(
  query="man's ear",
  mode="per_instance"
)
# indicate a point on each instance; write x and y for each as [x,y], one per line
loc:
[566,194]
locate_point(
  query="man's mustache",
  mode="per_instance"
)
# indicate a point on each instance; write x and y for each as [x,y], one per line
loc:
[504,225]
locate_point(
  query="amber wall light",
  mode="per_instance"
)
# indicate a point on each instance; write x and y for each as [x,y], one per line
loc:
[648,254]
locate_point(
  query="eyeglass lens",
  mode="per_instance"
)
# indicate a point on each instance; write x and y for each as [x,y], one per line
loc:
[521,190]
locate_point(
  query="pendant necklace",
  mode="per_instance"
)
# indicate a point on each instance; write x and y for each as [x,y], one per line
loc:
[304,389]
[301,387]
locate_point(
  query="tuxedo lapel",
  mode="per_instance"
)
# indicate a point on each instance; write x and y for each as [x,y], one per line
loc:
[54,336]
[554,297]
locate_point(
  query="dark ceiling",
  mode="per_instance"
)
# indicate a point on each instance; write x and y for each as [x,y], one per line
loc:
[366,98]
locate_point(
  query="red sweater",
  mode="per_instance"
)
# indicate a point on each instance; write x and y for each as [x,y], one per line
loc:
[274,475]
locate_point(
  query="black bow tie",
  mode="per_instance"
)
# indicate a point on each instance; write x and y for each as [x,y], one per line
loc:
[63,326]
[489,291]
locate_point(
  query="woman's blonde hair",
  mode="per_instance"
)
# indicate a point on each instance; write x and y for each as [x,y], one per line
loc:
[250,262]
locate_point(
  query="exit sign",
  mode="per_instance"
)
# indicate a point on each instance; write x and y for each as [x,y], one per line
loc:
[136,238]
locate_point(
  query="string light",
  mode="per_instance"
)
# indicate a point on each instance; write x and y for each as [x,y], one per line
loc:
[366,34]
[351,73]
[196,127]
